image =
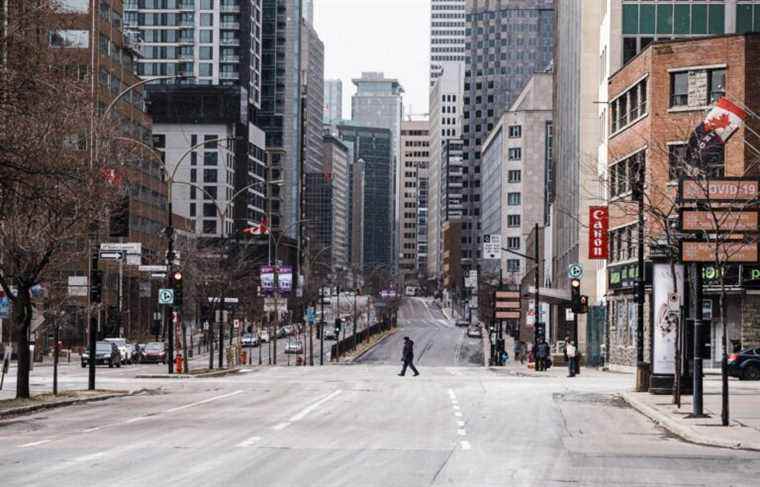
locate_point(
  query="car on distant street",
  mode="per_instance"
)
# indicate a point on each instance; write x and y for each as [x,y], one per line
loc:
[153,353]
[264,336]
[330,333]
[282,332]
[294,347]
[122,344]
[474,332]
[250,340]
[462,323]
[106,353]
[745,364]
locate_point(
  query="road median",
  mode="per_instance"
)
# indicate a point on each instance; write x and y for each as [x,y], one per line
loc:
[200,374]
[16,407]
[365,347]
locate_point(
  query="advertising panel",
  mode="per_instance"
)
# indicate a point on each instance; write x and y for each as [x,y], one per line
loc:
[665,319]
[598,227]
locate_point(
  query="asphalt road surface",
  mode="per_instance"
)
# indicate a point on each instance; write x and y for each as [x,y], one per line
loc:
[437,342]
[362,426]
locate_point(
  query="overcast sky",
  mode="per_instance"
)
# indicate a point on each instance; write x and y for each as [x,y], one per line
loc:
[377,35]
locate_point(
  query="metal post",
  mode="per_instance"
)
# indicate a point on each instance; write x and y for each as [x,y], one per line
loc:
[697,376]
[356,293]
[642,369]
[321,327]
[537,282]
[276,312]
[55,358]
[221,331]
[93,322]
[170,283]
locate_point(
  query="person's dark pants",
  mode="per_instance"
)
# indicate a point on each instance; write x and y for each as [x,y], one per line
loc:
[571,366]
[540,364]
[410,364]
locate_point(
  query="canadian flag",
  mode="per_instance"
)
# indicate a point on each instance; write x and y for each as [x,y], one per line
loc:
[706,142]
[261,229]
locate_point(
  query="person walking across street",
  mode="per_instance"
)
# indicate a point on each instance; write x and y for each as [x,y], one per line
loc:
[407,357]
[542,355]
[571,353]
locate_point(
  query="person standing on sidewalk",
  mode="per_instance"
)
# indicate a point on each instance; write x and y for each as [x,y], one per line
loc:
[407,357]
[542,354]
[571,353]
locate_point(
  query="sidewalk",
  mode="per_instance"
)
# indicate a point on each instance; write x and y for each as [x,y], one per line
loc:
[744,409]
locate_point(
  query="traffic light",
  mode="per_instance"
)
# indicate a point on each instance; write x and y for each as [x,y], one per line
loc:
[575,295]
[584,305]
[96,287]
[338,325]
[177,280]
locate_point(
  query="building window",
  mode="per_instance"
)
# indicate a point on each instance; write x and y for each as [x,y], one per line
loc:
[515,154]
[514,176]
[716,83]
[210,176]
[513,243]
[623,174]
[209,226]
[679,89]
[513,221]
[513,265]
[628,107]
[697,88]
[623,244]
[513,199]
[676,160]
[209,210]
[77,39]
[515,131]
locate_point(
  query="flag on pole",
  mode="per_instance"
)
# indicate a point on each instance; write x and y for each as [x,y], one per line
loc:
[707,141]
[261,229]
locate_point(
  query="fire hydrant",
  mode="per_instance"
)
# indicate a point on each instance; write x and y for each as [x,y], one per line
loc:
[178,363]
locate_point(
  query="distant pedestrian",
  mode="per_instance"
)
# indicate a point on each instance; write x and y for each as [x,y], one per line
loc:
[571,353]
[407,357]
[542,355]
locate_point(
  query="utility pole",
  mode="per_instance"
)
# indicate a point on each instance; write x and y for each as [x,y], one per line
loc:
[322,327]
[537,282]
[642,369]
[356,295]
[697,313]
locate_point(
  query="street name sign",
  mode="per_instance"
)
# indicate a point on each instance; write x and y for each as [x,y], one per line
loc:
[492,246]
[152,268]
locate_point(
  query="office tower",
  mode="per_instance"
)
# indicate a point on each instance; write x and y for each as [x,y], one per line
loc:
[372,156]
[507,42]
[413,190]
[446,103]
[280,114]
[308,11]
[447,35]
[333,112]
[313,92]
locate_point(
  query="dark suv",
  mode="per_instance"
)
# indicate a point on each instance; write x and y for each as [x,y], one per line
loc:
[106,353]
[745,364]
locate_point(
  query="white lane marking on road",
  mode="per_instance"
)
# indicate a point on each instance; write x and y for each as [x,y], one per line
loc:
[456,407]
[205,401]
[460,423]
[451,393]
[458,414]
[96,428]
[249,442]
[134,420]
[88,458]
[462,432]
[307,410]
[35,443]
[465,445]
[453,371]
[280,427]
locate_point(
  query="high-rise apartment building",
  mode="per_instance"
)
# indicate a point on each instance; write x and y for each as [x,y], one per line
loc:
[280,114]
[507,42]
[413,190]
[333,112]
[372,158]
[446,103]
[447,35]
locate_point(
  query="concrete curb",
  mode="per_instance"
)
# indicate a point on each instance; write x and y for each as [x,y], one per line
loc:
[218,373]
[684,432]
[9,413]
[391,332]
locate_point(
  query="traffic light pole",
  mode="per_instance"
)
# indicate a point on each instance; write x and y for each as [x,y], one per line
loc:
[322,327]
[170,284]
[642,368]
[94,298]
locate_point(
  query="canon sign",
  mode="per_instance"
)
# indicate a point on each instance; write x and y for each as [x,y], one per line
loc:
[599,220]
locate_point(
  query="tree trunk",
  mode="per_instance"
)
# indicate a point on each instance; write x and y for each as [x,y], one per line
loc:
[22,319]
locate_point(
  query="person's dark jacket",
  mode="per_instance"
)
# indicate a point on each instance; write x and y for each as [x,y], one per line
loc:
[542,350]
[408,353]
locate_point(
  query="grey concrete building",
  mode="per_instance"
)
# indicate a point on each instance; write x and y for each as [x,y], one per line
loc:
[447,35]
[313,91]
[333,111]
[413,194]
[515,156]
[280,114]
[507,42]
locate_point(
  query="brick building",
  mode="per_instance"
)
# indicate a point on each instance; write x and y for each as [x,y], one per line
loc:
[656,100]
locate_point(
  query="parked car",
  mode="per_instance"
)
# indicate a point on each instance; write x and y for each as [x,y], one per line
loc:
[462,323]
[122,344]
[106,353]
[264,336]
[330,333]
[153,353]
[745,365]
[474,332]
[294,347]
[290,329]
[250,340]
[282,332]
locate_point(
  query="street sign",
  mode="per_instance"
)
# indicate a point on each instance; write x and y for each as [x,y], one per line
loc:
[311,315]
[153,268]
[719,220]
[166,296]
[111,255]
[730,190]
[471,280]
[507,305]
[492,246]
[575,271]
[158,276]
[728,251]
[78,286]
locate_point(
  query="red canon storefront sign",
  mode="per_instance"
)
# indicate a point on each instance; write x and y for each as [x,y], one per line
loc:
[598,224]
